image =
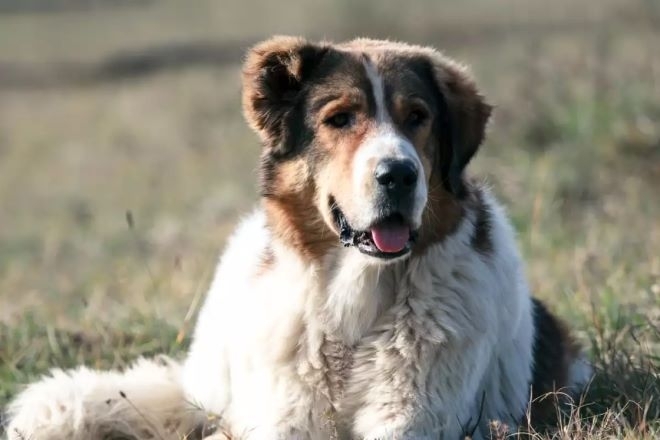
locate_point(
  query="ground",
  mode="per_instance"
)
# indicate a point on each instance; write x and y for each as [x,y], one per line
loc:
[124,165]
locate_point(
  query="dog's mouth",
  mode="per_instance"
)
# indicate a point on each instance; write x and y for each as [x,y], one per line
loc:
[387,238]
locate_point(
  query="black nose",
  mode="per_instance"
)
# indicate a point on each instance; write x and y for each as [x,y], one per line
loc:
[397,176]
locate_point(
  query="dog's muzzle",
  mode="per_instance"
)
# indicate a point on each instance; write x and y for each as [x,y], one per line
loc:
[390,234]
[387,238]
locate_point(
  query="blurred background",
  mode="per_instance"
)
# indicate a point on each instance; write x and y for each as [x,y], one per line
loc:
[125,161]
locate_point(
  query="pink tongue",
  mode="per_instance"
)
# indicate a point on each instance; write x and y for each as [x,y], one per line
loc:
[390,238]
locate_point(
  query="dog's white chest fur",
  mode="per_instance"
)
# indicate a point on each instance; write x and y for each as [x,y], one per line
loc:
[347,345]
[356,294]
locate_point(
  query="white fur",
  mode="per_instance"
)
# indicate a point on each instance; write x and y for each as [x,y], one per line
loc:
[457,320]
[378,90]
[84,404]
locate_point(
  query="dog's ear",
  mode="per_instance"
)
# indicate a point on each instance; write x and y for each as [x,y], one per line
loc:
[273,76]
[466,114]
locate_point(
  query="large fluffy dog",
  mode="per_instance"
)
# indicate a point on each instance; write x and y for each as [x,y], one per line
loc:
[375,294]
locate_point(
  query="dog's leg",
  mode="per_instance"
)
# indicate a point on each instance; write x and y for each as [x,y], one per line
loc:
[433,391]
[145,401]
[396,408]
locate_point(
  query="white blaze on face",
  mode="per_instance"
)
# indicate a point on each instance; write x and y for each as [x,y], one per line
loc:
[384,142]
[377,88]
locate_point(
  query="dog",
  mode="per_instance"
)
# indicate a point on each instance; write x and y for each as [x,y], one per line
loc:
[376,292]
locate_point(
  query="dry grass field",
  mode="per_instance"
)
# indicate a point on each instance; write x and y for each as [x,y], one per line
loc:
[125,162]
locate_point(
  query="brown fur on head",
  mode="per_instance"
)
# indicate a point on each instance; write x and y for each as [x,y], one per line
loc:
[327,113]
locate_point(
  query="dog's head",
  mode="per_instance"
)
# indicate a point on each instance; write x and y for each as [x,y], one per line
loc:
[365,143]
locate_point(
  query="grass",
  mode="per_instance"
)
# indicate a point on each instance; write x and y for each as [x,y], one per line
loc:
[573,151]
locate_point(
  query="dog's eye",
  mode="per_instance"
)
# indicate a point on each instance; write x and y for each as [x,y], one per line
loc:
[340,120]
[416,118]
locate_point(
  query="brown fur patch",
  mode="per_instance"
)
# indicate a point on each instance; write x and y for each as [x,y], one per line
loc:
[421,136]
[293,214]
[273,76]
[444,213]
[336,177]
[441,217]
